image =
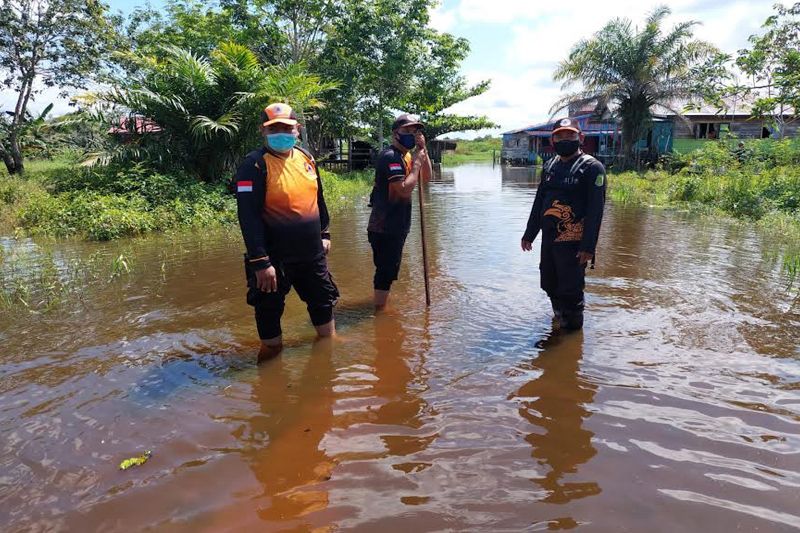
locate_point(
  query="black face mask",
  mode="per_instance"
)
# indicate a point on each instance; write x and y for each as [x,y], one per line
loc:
[566,148]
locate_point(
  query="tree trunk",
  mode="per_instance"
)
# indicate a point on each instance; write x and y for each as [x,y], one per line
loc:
[8,161]
[16,154]
[16,123]
[301,119]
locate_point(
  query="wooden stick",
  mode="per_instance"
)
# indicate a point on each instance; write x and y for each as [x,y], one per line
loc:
[424,244]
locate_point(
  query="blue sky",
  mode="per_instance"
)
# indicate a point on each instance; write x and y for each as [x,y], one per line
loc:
[517,43]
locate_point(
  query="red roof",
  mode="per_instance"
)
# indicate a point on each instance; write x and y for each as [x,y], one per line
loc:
[134,125]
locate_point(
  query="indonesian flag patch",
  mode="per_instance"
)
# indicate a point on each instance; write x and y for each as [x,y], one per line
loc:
[395,167]
[244,186]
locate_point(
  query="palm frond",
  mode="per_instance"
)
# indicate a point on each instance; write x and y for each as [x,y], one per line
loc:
[205,128]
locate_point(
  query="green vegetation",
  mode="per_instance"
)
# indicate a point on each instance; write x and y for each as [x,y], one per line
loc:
[185,82]
[61,199]
[469,151]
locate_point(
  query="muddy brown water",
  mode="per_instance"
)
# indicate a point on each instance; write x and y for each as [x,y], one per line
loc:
[676,409]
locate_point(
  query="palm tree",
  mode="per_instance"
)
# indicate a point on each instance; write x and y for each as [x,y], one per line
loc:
[192,112]
[633,71]
[295,85]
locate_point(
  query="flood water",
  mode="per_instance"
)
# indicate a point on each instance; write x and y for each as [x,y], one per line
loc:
[676,409]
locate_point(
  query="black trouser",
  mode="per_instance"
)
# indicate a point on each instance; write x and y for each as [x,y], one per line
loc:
[313,283]
[387,252]
[563,279]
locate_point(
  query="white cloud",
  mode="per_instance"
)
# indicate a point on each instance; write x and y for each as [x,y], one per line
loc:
[41,99]
[541,34]
[443,20]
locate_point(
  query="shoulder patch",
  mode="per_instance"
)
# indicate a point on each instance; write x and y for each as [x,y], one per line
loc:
[395,167]
[600,180]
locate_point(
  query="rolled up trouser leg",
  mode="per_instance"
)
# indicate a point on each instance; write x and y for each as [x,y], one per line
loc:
[314,285]
[387,254]
[268,305]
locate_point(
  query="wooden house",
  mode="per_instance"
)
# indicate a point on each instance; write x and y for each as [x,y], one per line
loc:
[530,144]
[667,133]
[701,124]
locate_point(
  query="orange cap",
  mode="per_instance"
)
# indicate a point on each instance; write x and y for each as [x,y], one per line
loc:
[280,113]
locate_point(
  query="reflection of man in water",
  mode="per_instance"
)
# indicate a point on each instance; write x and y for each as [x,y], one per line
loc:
[555,403]
[295,415]
[397,368]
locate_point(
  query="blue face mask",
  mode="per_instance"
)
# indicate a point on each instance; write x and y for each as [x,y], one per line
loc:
[281,142]
[407,140]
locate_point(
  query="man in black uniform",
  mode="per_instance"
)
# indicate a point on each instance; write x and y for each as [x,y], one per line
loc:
[396,174]
[568,210]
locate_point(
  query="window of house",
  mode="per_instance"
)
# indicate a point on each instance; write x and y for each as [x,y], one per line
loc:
[710,130]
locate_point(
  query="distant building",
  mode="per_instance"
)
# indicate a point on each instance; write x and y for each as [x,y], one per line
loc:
[130,125]
[668,132]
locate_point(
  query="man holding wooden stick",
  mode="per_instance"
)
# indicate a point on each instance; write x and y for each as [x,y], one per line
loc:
[397,172]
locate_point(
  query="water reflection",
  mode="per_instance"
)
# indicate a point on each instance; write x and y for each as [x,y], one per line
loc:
[284,437]
[555,403]
[401,382]
[410,414]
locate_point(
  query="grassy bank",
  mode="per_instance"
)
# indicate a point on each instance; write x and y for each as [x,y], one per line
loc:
[478,150]
[59,198]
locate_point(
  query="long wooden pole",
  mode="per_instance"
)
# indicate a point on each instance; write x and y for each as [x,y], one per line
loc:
[424,244]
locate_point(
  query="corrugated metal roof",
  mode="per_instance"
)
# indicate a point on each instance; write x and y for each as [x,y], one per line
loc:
[544,125]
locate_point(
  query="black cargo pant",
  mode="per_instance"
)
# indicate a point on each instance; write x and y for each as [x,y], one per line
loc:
[313,283]
[563,278]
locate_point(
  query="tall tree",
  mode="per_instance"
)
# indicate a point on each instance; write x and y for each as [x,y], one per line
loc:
[634,70]
[437,84]
[772,64]
[46,43]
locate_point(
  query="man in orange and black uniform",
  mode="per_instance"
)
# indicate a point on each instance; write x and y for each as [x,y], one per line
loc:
[568,210]
[284,223]
[396,174]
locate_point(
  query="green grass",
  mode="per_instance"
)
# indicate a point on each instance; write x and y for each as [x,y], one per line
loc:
[344,190]
[472,151]
[61,199]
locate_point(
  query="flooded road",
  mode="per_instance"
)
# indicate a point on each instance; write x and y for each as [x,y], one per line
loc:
[676,409]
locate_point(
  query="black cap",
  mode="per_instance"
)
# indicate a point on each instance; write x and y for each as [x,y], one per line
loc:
[567,124]
[406,120]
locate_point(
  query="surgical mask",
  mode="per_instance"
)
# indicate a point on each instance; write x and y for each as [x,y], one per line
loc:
[407,140]
[281,142]
[566,148]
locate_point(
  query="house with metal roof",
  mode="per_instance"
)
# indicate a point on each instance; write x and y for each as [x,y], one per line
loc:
[668,131]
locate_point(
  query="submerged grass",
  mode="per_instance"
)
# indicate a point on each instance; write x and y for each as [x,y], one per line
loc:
[36,279]
[59,199]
